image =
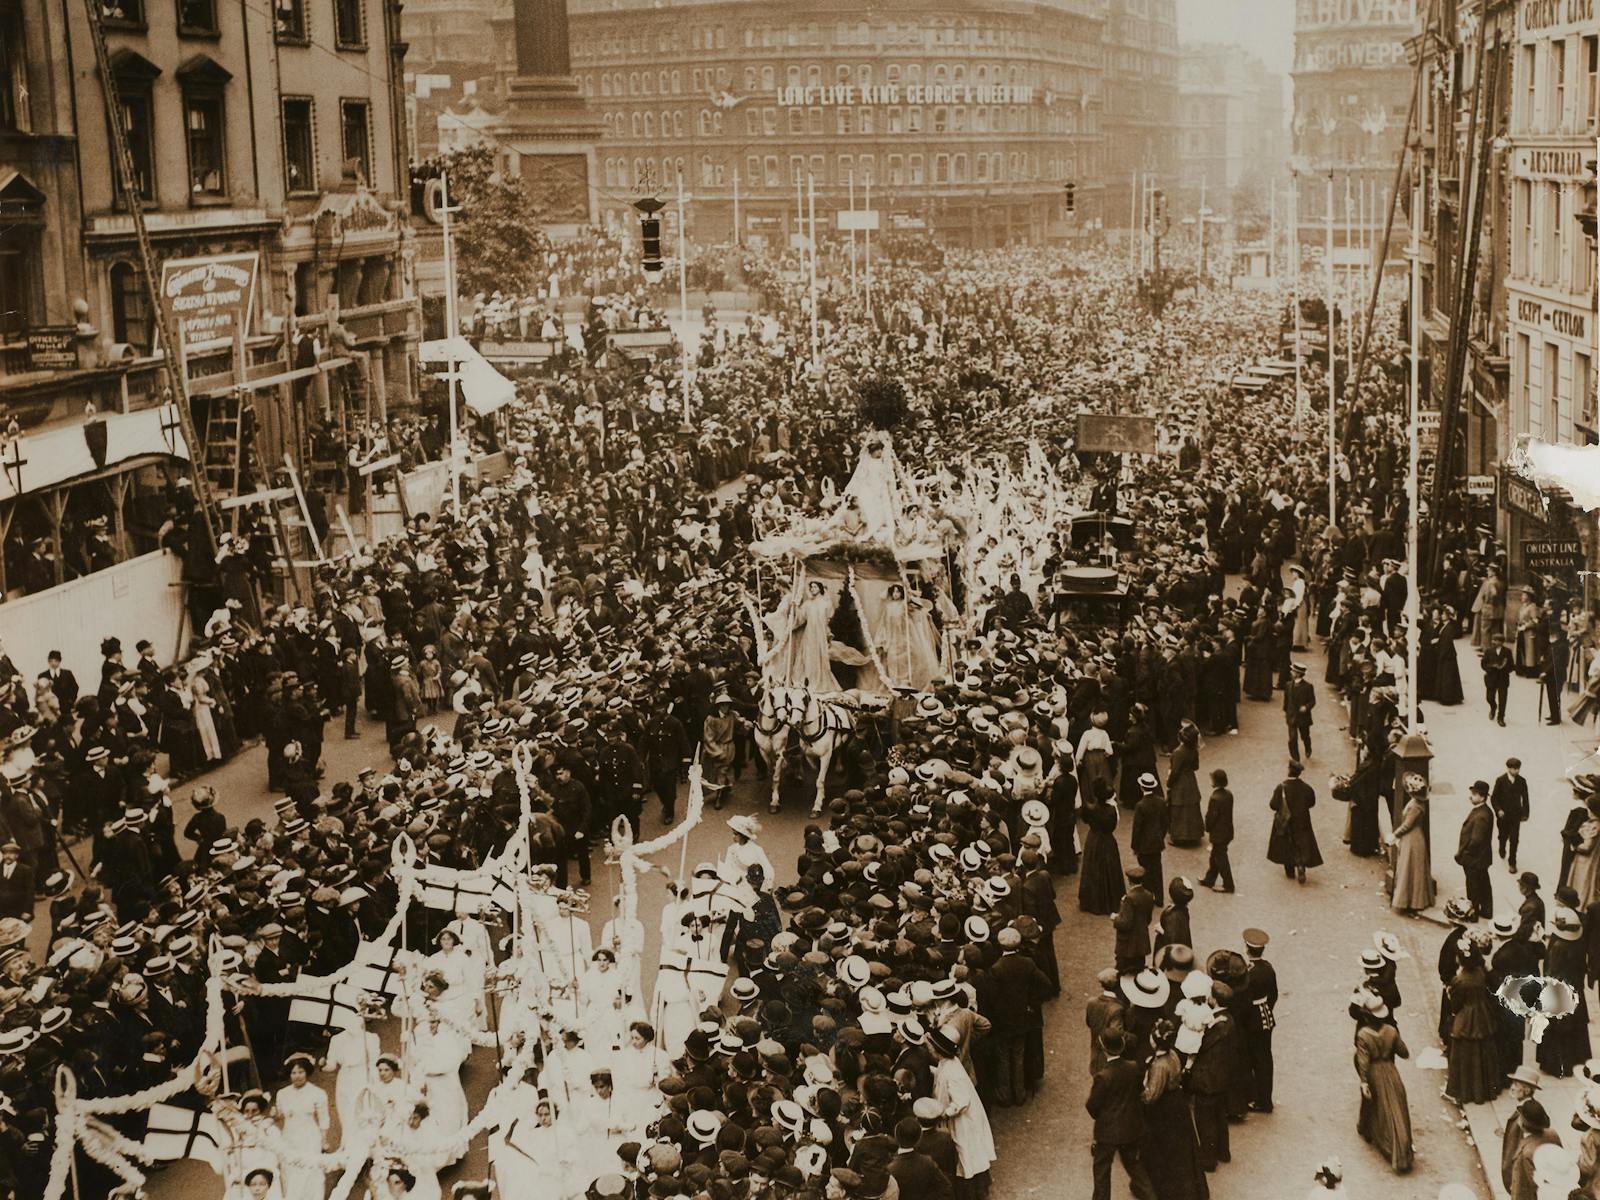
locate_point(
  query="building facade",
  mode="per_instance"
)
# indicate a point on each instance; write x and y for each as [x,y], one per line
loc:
[967,125]
[1352,89]
[1550,284]
[1141,103]
[1231,124]
[266,142]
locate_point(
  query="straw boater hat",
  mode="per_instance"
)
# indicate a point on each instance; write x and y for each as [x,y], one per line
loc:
[745,826]
[1036,812]
[1147,989]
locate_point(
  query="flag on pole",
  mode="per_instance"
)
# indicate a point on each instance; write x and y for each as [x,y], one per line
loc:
[337,1007]
[377,969]
[176,1133]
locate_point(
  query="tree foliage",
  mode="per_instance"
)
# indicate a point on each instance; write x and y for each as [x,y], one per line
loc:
[881,402]
[498,242]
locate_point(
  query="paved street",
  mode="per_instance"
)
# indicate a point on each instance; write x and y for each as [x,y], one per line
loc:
[1318,930]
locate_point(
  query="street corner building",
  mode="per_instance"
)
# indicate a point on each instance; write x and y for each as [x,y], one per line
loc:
[266,145]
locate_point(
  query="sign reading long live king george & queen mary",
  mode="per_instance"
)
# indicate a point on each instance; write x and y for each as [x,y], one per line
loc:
[827,95]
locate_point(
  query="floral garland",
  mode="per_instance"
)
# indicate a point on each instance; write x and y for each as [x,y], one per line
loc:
[866,634]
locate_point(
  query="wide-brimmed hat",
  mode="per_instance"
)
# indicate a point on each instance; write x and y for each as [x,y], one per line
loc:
[745,826]
[1388,945]
[1147,989]
[1035,812]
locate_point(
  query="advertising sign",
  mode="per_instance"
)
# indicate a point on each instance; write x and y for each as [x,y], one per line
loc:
[52,348]
[1519,496]
[1550,557]
[1116,435]
[210,298]
[1480,485]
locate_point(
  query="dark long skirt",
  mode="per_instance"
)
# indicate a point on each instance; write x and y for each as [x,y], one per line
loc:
[1171,1149]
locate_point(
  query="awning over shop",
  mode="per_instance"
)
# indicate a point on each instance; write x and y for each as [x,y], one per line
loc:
[483,387]
[45,459]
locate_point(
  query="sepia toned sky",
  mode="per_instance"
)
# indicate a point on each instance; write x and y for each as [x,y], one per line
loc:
[1265,27]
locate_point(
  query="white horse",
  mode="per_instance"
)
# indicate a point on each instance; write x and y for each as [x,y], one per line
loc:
[821,726]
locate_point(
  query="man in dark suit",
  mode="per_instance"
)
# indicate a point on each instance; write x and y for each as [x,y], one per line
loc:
[62,682]
[666,756]
[1114,1103]
[1017,989]
[1299,698]
[1509,800]
[1497,664]
[1132,922]
[1219,828]
[1555,674]
[1104,1013]
[1257,1019]
[1149,830]
[914,1171]
[1475,851]
[16,883]
[935,1141]
[1392,587]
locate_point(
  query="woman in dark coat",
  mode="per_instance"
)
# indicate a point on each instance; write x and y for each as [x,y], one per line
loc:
[1100,883]
[1362,794]
[1258,652]
[1184,824]
[1446,670]
[1566,1040]
[1136,756]
[1385,1119]
[1170,1149]
[1460,915]
[1475,1075]
[1293,844]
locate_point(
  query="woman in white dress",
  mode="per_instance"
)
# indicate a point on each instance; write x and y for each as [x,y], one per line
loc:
[607,1006]
[907,646]
[203,703]
[420,1152]
[303,1115]
[961,1111]
[255,1152]
[353,1052]
[873,486]
[437,1054]
[463,971]
[635,1071]
[389,1090]
[802,659]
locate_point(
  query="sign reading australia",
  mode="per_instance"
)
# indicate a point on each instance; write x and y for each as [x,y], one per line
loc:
[914,93]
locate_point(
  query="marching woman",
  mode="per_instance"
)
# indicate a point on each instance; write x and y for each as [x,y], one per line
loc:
[353,1052]
[1094,754]
[1385,1119]
[636,1069]
[463,972]
[303,1113]
[1100,883]
[437,1055]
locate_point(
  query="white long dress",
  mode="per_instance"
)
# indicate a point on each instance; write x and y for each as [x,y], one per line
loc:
[462,1001]
[436,1059]
[635,1072]
[873,487]
[966,1119]
[304,1111]
[353,1052]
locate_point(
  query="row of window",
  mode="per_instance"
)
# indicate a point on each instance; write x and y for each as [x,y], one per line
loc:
[1558,86]
[764,78]
[902,170]
[199,18]
[1543,405]
[933,31]
[845,122]
[204,107]
[1548,247]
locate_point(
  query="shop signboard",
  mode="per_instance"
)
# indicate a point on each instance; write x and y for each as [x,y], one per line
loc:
[1518,495]
[1550,557]
[52,348]
[210,298]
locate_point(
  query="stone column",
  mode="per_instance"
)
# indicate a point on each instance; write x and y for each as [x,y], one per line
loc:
[542,50]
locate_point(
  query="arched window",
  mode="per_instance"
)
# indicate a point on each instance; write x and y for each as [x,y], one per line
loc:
[958,73]
[634,124]
[864,75]
[607,120]
[649,125]
[913,73]
[716,122]
[130,308]
[707,171]
[638,171]
[677,83]
[605,84]
[663,82]
[702,124]
[813,75]
[677,123]
[633,83]
[941,74]
[769,79]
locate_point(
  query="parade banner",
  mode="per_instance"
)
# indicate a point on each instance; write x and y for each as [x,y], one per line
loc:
[1116,435]
[176,1133]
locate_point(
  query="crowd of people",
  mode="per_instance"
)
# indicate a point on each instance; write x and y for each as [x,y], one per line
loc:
[848,1025]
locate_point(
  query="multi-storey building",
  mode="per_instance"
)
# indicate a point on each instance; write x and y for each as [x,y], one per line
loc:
[1550,292]
[968,124]
[266,141]
[1231,123]
[1352,88]
[1464,87]
[1141,103]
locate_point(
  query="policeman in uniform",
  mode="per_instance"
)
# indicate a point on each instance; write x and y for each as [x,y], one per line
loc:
[1261,985]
